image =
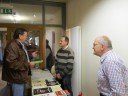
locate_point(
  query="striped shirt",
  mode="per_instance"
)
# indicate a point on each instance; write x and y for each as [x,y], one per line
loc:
[111,75]
[65,61]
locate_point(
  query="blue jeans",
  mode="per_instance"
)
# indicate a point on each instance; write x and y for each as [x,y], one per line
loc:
[18,89]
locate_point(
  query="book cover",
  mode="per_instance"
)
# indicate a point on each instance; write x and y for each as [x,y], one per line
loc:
[48,94]
[56,88]
[42,90]
[38,83]
[62,93]
[51,82]
[37,61]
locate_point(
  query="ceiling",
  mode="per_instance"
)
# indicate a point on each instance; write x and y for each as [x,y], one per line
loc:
[31,1]
[28,11]
[57,0]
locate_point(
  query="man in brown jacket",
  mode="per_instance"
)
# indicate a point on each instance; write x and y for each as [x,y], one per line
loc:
[16,63]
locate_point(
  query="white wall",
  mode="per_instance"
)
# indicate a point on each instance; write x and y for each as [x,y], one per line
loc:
[75,34]
[98,17]
[58,33]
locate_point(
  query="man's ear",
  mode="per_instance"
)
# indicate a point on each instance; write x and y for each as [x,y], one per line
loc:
[20,36]
[102,47]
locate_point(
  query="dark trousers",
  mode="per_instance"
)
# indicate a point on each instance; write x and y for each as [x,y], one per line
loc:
[66,84]
[101,94]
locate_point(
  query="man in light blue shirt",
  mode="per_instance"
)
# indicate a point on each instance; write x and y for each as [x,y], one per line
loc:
[112,71]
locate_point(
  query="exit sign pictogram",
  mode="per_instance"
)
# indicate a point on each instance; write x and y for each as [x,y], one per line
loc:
[5,11]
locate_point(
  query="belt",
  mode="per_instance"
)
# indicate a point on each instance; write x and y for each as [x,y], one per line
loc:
[102,94]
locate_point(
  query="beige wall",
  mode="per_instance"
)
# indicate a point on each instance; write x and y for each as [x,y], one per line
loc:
[98,17]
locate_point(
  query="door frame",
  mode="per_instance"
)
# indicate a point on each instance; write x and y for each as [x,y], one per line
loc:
[37,27]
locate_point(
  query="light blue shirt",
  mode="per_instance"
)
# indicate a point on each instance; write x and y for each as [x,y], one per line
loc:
[111,75]
[25,51]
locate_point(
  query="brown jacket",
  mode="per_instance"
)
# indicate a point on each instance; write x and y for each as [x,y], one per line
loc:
[15,64]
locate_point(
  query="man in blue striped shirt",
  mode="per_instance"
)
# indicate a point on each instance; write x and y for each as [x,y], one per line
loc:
[64,64]
[112,71]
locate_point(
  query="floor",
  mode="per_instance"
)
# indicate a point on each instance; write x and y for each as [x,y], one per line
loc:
[5,90]
[2,83]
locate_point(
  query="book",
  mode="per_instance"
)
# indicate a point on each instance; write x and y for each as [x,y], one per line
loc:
[37,61]
[62,93]
[38,91]
[51,82]
[38,83]
[56,88]
[47,94]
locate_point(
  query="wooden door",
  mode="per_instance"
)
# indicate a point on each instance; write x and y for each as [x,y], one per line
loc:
[33,30]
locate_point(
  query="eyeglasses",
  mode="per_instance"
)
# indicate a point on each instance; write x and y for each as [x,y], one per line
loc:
[95,44]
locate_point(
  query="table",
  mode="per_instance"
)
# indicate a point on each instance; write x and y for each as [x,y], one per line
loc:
[38,82]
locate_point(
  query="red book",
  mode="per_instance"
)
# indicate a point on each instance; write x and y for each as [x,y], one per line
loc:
[62,93]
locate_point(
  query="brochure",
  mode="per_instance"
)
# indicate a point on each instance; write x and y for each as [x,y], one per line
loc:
[42,90]
[37,61]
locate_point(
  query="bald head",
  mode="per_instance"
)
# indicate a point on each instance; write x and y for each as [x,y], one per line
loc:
[101,45]
[104,40]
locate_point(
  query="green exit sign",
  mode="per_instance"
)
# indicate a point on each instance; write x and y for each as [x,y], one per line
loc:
[5,11]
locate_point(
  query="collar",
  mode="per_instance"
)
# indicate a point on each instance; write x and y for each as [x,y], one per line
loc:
[104,56]
[65,47]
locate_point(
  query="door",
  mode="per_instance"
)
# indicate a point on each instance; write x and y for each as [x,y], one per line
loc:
[35,37]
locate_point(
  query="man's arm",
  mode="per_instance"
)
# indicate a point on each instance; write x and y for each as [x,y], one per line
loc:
[70,61]
[116,81]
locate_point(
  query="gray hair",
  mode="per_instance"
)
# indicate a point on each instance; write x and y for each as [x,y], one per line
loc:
[104,40]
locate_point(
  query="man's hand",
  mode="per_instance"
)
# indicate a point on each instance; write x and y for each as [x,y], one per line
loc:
[34,54]
[31,64]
